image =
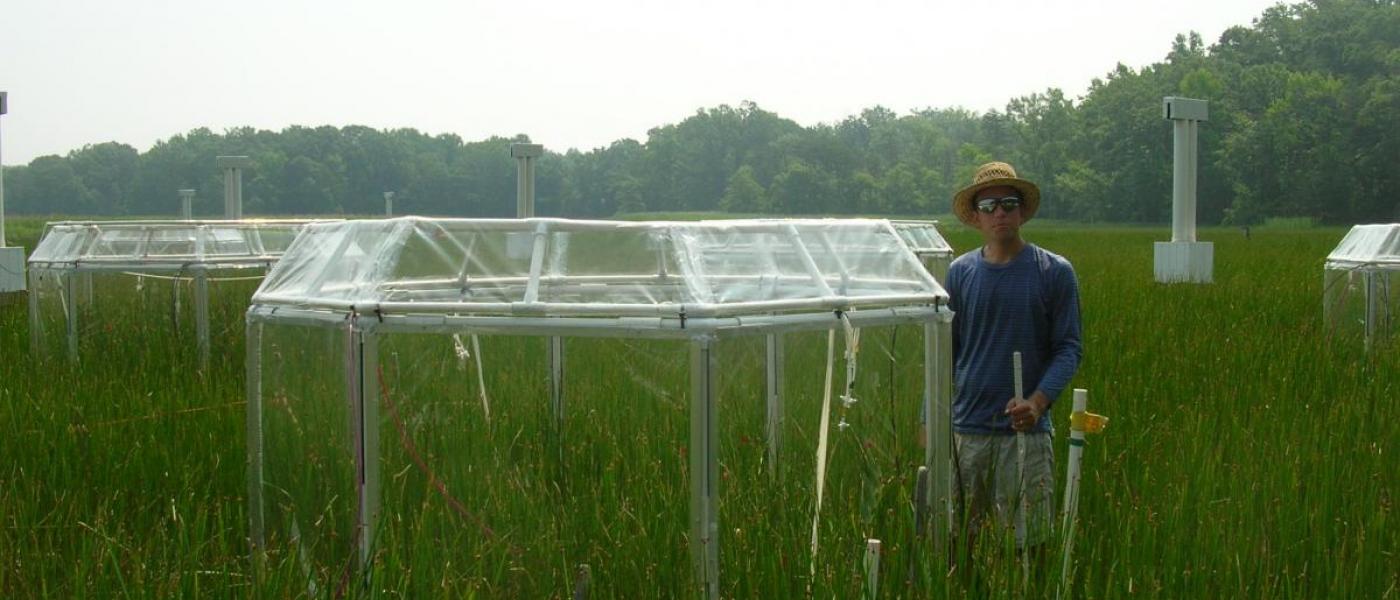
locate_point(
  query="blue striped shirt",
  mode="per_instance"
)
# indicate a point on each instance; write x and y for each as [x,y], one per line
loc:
[1030,305]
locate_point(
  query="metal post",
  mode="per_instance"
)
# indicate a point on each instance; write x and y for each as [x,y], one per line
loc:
[525,155]
[1192,164]
[233,183]
[1181,192]
[368,457]
[388,204]
[704,467]
[556,382]
[187,204]
[11,259]
[70,298]
[1183,258]
[36,330]
[253,371]
[938,441]
[4,108]
[201,315]
[775,418]
[1370,278]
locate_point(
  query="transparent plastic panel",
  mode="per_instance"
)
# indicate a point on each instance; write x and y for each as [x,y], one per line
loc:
[1362,302]
[1379,243]
[733,266]
[59,244]
[922,237]
[309,495]
[112,308]
[628,267]
[116,242]
[873,454]
[276,240]
[597,267]
[215,243]
[343,261]
[519,500]
[486,487]
[226,241]
[866,261]
[174,242]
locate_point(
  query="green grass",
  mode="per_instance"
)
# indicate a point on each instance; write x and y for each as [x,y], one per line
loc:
[1250,453]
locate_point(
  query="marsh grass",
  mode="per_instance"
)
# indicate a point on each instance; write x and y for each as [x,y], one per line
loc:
[1250,454]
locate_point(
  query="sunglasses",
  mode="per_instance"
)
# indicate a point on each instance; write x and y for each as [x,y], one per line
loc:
[1007,204]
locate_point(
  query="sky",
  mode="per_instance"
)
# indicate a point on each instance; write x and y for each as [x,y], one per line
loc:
[578,74]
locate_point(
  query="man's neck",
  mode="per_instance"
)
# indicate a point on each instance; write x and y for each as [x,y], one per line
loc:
[999,252]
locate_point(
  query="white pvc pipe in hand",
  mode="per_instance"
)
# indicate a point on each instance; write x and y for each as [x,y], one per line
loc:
[1021,530]
[1016,366]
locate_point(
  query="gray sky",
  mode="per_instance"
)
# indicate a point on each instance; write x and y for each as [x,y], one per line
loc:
[570,74]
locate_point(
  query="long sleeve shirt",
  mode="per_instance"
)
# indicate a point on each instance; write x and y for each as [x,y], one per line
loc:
[1030,305]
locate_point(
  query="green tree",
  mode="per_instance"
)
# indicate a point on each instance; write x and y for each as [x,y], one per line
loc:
[744,194]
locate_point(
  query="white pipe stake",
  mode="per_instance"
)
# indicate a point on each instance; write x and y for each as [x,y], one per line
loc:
[1076,454]
[872,568]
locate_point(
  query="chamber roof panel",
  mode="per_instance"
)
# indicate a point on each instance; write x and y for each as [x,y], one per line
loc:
[94,245]
[559,267]
[1377,244]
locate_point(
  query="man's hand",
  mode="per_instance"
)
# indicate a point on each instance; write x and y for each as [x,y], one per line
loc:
[1026,413]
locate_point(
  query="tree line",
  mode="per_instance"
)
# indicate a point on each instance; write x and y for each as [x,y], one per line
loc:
[1304,122]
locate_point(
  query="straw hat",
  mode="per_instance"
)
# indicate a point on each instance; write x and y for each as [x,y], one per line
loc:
[994,174]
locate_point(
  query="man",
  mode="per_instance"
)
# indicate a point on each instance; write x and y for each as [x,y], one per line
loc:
[1008,296]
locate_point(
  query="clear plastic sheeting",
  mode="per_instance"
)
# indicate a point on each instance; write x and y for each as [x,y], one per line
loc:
[540,393]
[1377,245]
[553,267]
[1361,280]
[928,244]
[161,245]
[83,274]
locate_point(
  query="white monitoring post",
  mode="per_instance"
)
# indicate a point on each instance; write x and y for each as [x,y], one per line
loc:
[1184,259]
[11,258]
[233,183]
[525,155]
[187,204]
[388,204]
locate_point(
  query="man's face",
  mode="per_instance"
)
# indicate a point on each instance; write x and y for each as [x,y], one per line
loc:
[1003,223]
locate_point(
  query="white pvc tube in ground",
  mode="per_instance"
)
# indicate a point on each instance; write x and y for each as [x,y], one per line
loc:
[872,568]
[1076,453]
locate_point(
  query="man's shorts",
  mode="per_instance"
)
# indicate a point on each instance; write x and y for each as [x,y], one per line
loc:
[988,491]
